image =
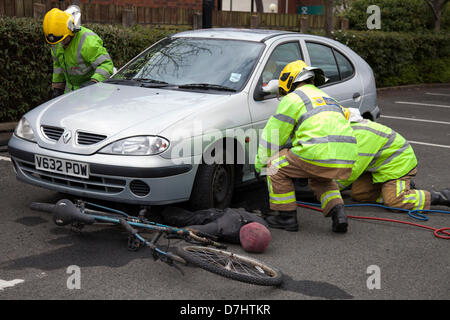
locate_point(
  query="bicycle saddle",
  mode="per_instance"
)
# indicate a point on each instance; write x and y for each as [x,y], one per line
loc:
[65,212]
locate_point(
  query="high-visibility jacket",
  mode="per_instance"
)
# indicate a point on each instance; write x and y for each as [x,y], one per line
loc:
[381,151]
[318,129]
[84,59]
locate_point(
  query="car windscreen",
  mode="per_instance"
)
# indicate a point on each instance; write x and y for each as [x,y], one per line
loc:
[195,62]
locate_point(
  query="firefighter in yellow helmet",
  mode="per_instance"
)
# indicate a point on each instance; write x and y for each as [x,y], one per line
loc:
[323,147]
[79,58]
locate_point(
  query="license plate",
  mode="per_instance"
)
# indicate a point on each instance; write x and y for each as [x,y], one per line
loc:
[67,167]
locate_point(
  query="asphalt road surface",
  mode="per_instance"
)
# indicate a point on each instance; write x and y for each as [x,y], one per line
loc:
[374,260]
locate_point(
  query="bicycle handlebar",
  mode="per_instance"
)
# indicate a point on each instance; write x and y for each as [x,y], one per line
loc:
[44,207]
[66,212]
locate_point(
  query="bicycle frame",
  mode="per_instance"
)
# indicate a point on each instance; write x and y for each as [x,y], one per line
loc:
[214,260]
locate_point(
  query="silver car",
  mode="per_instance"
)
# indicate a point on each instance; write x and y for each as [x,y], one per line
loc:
[181,120]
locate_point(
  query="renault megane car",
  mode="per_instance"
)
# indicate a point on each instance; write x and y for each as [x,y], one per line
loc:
[180,121]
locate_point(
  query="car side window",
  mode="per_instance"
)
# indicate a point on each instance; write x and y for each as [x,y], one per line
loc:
[322,56]
[345,66]
[280,57]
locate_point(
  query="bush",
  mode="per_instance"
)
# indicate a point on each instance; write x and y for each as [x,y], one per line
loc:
[25,75]
[401,58]
[396,15]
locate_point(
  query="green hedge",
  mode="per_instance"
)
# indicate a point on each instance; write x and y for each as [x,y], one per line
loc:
[402,58]
[396,15]
[26,65]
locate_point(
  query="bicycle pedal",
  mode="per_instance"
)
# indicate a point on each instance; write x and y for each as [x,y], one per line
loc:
[134,243]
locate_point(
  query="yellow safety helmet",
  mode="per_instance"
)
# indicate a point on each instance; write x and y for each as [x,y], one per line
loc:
[58,25]
[298,71]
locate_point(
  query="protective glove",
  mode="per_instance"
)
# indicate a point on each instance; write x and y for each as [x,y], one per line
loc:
[56,92]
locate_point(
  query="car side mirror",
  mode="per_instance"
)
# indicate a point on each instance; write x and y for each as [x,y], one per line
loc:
[269,90]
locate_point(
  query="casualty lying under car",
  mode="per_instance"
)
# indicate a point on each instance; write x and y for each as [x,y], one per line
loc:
[145,135]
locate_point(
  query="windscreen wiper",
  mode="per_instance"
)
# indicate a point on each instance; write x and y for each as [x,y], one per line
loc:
[206,86]
[152,83]
[127,82]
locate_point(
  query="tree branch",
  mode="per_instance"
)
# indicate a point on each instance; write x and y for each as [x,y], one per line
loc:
[430,3]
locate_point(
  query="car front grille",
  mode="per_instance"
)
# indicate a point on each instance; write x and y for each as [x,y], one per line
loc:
[52,133]
[85,138]
[97,184]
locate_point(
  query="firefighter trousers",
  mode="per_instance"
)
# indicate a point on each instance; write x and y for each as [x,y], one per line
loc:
[285,166]
[394,193]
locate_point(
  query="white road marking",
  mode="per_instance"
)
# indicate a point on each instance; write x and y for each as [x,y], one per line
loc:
[6,284]
[413,119]
[5,158]
[429,144]
[422,104]
[438,94]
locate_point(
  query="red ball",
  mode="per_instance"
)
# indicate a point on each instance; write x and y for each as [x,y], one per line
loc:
[254,237]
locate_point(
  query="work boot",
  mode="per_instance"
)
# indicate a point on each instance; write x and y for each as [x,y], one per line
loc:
[440,198]
[286,220]
[339,218]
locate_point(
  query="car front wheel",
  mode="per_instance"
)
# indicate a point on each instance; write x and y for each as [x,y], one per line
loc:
[213,186]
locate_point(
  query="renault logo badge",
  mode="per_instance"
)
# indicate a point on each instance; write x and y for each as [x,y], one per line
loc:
[67,136]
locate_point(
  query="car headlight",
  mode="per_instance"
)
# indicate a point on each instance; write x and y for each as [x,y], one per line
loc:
[137,146]
[23,130]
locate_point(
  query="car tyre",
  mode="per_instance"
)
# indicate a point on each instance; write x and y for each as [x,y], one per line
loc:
[213,186]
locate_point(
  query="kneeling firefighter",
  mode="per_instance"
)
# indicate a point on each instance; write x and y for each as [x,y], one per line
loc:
[385,166]
[79,58]
[323,147]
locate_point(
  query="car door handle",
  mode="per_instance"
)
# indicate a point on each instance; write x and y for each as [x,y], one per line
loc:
[356,95]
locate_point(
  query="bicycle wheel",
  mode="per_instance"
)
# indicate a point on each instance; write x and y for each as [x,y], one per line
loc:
[230,265]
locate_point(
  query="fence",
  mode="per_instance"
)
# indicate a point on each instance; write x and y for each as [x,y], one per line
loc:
[168,16]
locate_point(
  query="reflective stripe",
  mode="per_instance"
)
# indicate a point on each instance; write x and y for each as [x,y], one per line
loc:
[103,72]
[269,185]
[421,199]
[78,71]
[378,133]
[366,154]
[340,185]
[411,198]
[417,198]
[394,155]
[100,60]
[330,138]
[268,145]
[83,68]
[280,162]
[284,118]
[282,198]
[400,187]
[309,114]
[305,99]
[54,52]
[380,199]
[328,161]
[328,196]
[388,144]
[58,70]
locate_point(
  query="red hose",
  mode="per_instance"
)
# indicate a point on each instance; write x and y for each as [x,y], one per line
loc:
[439,233]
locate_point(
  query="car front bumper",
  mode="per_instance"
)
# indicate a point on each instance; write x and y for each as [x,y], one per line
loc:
[147,180]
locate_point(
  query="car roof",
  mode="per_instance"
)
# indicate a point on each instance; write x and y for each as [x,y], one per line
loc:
[258,35]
